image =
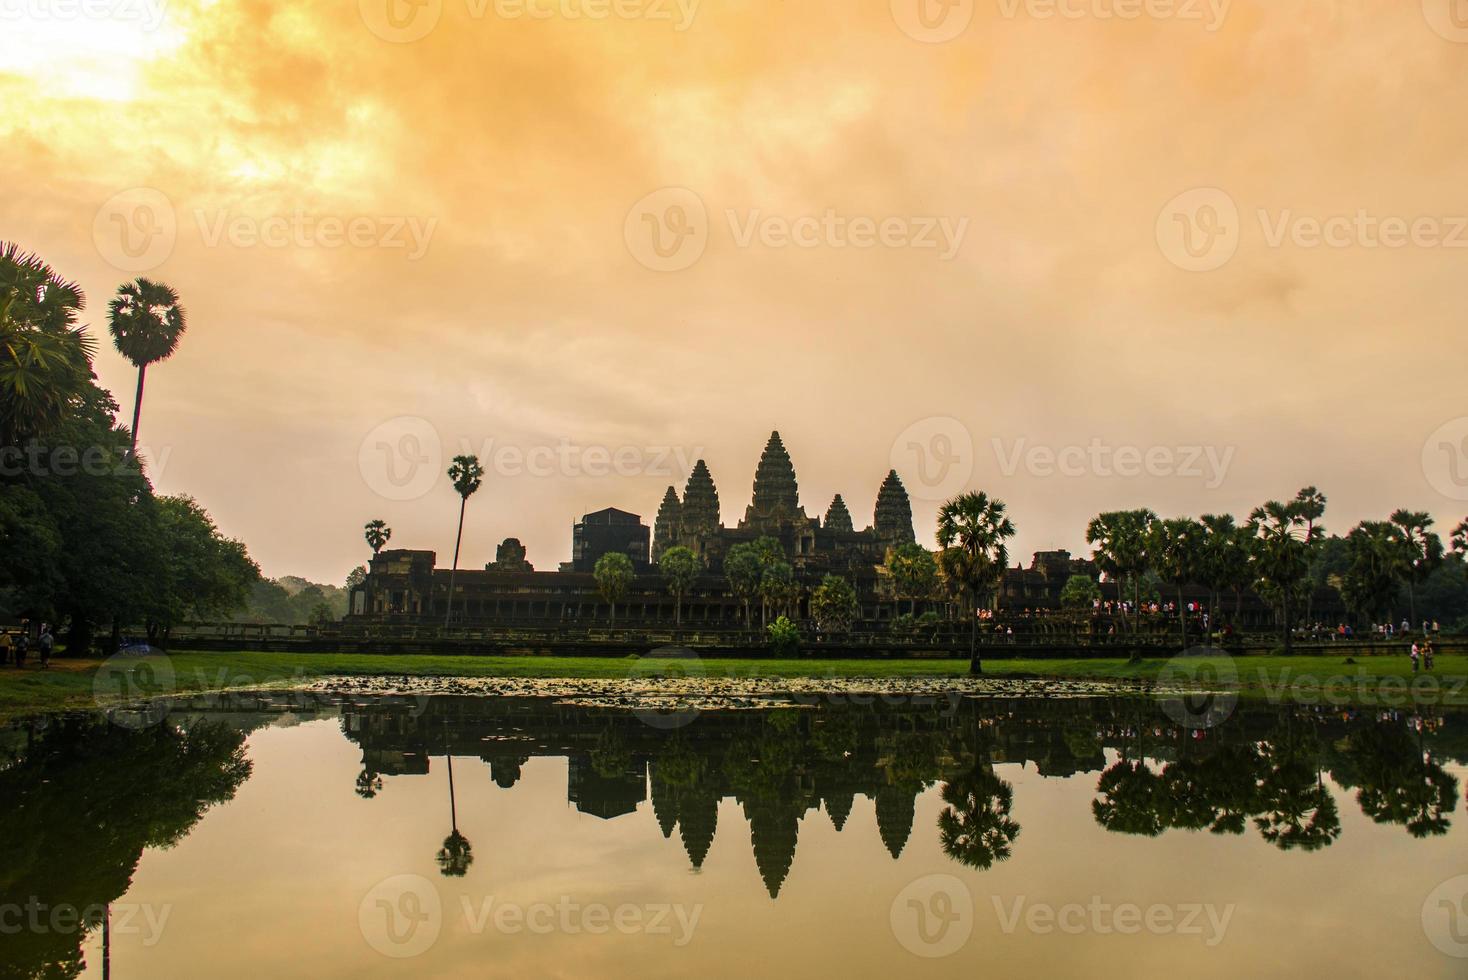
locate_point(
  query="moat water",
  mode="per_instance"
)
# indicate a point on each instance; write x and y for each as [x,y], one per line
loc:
[326,835]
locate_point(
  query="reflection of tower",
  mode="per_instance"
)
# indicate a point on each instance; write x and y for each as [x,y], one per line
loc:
[838,808]
[773,827]
[698,818]
[664,804]
[505,770]
[896,806]
[605,796]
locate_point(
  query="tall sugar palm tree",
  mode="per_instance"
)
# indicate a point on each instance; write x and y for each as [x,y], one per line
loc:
[378,534]
[1120,539]
[1176,547]
[1311,504]
[973,532]
[1424,552]
[467,475]
[1282,541]
[146,322]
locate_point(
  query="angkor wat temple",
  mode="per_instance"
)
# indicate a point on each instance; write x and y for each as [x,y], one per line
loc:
[408,587]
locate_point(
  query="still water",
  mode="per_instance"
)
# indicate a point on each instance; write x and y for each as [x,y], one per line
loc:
[278,836]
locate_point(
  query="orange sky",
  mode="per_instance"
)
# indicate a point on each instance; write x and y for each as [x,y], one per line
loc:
[1043,249]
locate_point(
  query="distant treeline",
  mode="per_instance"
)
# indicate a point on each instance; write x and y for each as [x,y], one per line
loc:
[293,601]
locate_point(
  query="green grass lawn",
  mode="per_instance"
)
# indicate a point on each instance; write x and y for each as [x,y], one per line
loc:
[74,684]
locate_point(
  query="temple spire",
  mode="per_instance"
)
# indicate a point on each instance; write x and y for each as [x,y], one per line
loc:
[700,502]
[893,517]
[670,518]
[838,518]
[775,486]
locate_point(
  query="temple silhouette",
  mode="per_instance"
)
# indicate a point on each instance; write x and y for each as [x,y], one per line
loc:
[407,587]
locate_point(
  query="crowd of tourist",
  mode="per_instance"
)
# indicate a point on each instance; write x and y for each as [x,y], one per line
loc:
[15,646]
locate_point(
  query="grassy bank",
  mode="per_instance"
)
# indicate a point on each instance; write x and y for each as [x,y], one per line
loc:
[76,684]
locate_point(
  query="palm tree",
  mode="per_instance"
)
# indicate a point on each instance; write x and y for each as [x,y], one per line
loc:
[1311,504]
[147,323]
[1120,539]
[973,531]
[1176,547]
[614,574]
[1223,560]
[467,475]
[1424,552]
[378,534]
[45,359]
[1372,580]
[1281,553]
[680,568]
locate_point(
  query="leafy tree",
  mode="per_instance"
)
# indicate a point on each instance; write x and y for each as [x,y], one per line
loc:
[1460,540]
[356,577]
[147,323]
[784,636]
[1399,783]
[1080,592]
[1176,550]
[778,588]
[744,570]
[204,574]
[973,532]
[1423,552]
[1120,539]
[614,574]
[914,572]
[834,605]
[1281,549]
[378,534]
[680,568]
[467,475]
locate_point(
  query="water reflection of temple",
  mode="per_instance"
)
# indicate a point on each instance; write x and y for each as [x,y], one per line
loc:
[1261,772]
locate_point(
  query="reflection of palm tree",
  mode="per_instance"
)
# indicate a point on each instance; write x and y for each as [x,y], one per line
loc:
[369,784]
[975,827]
[1132,800]
[1298,811]
[456,854]
[1400,784]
